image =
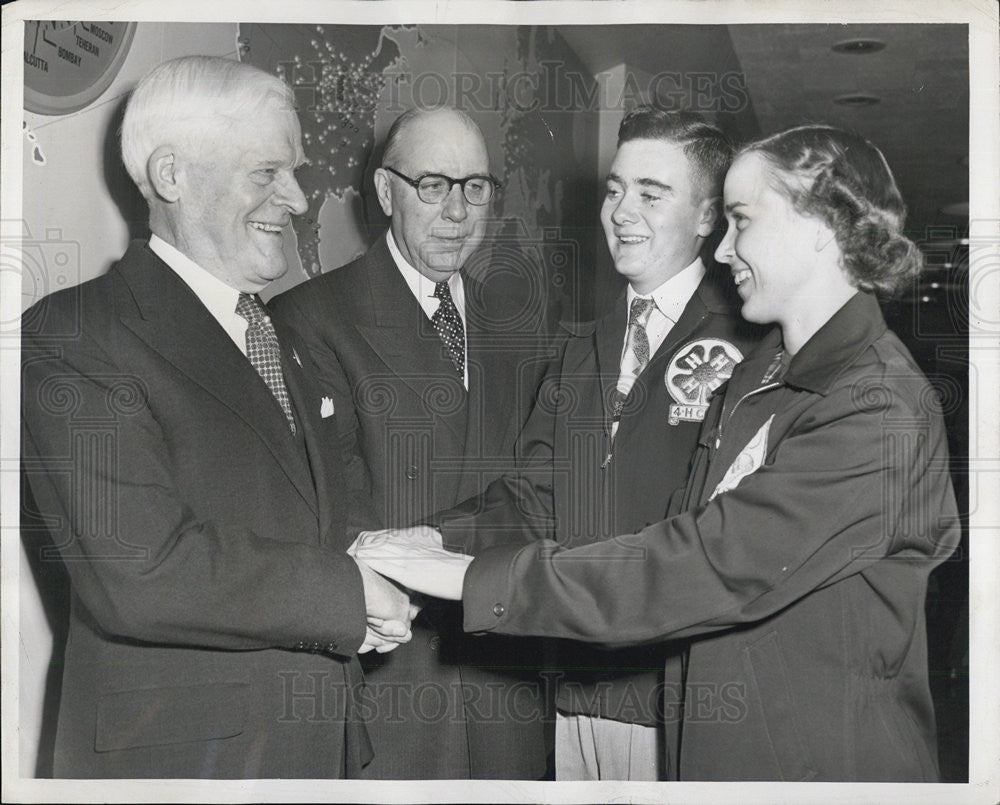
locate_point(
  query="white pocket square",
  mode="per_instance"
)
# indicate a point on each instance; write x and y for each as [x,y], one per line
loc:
[326,408]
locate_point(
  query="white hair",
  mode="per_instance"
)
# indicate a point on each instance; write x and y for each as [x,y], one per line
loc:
[178,100]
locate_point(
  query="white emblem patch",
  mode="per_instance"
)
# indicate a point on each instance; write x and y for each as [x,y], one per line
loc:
[694,372]
[750,459]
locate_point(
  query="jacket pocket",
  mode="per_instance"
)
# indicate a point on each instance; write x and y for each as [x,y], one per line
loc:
[158,716]
[766,668]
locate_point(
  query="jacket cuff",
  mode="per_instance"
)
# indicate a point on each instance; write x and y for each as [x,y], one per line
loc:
[356,617]
[342,628]
[487,591]
[453,535]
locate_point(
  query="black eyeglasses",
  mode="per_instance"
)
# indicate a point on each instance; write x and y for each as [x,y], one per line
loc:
[433,188]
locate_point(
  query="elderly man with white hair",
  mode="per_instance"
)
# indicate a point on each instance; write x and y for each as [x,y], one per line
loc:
[191,485]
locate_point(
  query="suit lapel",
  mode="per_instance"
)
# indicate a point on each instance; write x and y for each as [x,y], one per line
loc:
[400,333]
[492,386]
[609,338]
[709,298]
[321,446]
[693,314]
[172,321]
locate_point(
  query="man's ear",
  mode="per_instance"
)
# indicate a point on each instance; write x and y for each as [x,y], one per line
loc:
[162,172]
[711,210]
[383,191]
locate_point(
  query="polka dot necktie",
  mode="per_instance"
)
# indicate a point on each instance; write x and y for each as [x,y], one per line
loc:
[636,354]
[448,324]
[263,350]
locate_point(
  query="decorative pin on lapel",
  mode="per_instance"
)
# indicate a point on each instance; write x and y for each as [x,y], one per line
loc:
[326,408]
[295,356]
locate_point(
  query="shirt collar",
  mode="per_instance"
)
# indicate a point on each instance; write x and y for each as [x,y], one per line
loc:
[214,294]
[422,287]
[672,296]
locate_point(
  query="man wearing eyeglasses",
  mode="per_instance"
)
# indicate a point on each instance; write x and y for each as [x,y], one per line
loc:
[612,435]
[426,368]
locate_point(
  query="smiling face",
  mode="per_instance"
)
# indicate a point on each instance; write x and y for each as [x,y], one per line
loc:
[237,191]
[436,239]
[654,214]
[786,265]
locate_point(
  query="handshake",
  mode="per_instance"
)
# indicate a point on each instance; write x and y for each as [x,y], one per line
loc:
[394,564]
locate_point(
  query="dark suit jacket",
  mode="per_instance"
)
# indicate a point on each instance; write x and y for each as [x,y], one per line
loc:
[573,488]
[215,614]
[817,506]
[444,705]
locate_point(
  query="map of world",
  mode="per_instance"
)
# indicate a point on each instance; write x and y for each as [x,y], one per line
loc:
[352,81]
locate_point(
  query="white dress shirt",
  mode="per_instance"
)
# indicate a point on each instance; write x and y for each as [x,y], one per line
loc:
[422,289]
[669,300]
[214,294]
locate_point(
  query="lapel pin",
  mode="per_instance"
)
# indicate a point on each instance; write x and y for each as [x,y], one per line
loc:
[326,408]
[295,356]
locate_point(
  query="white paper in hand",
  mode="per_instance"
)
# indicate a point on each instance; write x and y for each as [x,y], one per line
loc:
[417,535]
[415,559]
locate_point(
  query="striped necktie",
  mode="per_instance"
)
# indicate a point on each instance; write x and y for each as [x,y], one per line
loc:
[636,354]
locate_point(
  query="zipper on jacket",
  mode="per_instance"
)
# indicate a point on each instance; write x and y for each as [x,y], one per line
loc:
[751,393]
[607,458]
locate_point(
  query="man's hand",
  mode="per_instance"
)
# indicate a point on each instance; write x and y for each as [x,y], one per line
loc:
[384,636]
[389,612]
[384,601]
[414,557]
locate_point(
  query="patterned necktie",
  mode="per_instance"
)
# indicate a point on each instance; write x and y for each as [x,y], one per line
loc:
[263,350]
[448,324]
[636,354]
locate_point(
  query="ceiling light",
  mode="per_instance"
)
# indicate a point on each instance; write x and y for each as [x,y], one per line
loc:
[859,46]
[857,99]
[949,243]
[958,208]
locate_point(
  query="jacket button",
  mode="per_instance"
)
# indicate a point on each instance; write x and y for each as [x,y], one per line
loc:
[411,473]
[498,610]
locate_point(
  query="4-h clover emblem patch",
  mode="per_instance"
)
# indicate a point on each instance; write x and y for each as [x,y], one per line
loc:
[694,372]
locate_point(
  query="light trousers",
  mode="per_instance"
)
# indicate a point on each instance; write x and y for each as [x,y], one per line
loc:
[589,748]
